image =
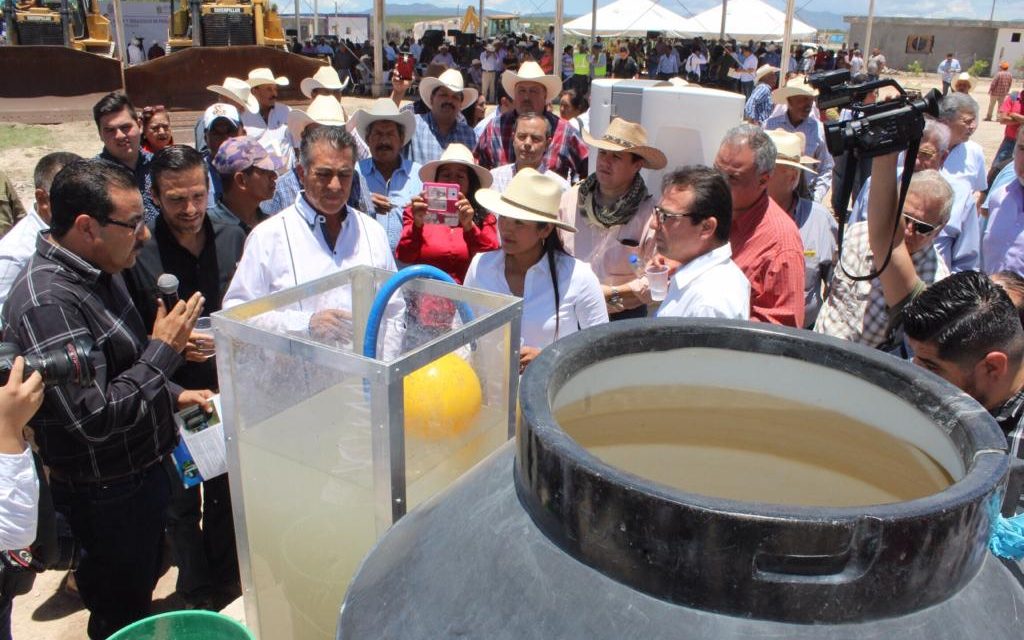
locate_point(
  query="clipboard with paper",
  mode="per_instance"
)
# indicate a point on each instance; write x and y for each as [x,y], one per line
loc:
[201,453]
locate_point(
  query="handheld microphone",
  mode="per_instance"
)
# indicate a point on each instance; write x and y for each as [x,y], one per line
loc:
[167,283]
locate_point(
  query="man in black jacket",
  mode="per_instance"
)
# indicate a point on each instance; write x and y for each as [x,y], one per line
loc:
[202,253]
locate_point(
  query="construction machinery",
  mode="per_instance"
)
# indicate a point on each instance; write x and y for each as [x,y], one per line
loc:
[68,23]
[222,23]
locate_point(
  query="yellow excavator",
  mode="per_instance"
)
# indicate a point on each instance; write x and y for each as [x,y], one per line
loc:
[222,23]
[68,23]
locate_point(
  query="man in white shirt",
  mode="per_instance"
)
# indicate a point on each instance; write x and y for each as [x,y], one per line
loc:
[20,242]
[668,62]
[948,69]
[531,138]
[489,64]
[966,160]
[269,124]
[691,227]
[747,70]
[317,236]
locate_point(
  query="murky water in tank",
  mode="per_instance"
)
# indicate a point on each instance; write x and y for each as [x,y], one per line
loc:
[750,446]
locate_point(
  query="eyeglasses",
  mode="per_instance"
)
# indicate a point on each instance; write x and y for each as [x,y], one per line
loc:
[136,226]
[921,228]
[664,215]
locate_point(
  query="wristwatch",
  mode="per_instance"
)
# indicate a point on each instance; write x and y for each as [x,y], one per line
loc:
[615,300]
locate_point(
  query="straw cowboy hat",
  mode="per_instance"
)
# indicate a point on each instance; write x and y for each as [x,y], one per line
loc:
[530,71]
[789,149]
[964,77]
[623,135]
[264,75]
[792,89]
[384,109]
[325,110]
[764,70]
[238,92]
[452,78]
[676,81]
[530,196]
[456,154]
[325,78]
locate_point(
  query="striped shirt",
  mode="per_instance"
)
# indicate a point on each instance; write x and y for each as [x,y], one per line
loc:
[124,421]
[567,154]
[759,105]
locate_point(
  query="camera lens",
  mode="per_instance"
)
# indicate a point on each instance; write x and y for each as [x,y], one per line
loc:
[67,364]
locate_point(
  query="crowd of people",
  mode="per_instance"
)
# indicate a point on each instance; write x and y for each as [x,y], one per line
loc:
[269,196]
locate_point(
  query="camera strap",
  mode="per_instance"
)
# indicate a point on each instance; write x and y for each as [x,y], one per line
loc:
[909,160]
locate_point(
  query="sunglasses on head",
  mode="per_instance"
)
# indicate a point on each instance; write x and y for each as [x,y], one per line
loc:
[922,228]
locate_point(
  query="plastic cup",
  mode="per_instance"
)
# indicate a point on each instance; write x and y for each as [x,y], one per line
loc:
[205,345]
[657,280]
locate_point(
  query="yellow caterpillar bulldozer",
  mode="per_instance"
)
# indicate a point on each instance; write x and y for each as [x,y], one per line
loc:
[66,23]
[57,48]
[222,23]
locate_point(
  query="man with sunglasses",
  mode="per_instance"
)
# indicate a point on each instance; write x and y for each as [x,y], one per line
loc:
[691,227]
[104,442]
[862,310]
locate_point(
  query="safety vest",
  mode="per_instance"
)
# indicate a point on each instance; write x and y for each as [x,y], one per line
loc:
[580,64]
[601,66]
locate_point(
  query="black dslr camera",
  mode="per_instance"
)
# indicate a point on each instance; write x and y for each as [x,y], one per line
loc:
[59,366]
[879,128]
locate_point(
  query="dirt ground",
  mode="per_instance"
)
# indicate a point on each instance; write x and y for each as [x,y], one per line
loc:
[48,613]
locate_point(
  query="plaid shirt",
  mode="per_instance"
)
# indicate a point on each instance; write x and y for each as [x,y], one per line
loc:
[124,421]
[428,143]
[142,178]
[856,310]
[566,155]
[1000,85]
[759,105]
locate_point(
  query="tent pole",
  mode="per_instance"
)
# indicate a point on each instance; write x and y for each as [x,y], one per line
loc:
[378,48]
[480,21]
[316,17]
[557,53]
[593,24]
[721,32]
[787,41]
[298,23]
[866,51]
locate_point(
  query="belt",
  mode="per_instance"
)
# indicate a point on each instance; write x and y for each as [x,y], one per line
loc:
[58,476]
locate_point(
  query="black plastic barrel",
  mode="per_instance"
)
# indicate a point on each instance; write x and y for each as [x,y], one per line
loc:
[544,540]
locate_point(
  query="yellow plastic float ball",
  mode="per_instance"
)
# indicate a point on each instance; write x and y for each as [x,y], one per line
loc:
[442,399]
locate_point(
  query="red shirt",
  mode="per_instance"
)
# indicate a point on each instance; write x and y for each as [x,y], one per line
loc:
[1012,106]
[766,246]
[450,249]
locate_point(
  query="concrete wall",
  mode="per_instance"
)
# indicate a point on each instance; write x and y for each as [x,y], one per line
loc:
[968,43]
[1011,52]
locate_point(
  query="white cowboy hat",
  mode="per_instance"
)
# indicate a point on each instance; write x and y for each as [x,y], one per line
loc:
[238,92]
[530,196]
[530,71]
[456,154]
[452,78]
[964,77]
[384,109]
[623,135]
[325,110]
[676,81]
[789,149]
[794,88]
[324,78]
[264,75]
[764,70]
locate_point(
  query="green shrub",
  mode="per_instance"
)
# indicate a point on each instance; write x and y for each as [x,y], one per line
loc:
[915,67]
[978,69]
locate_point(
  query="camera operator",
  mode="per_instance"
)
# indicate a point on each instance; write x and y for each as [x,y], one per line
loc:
[104,441]
[19,485]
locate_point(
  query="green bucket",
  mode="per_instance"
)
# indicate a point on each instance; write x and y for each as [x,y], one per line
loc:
[185,625]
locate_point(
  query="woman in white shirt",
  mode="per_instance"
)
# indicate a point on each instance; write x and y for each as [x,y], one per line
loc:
[561,295]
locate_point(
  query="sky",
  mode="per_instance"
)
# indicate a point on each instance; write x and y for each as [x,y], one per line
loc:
[977,9]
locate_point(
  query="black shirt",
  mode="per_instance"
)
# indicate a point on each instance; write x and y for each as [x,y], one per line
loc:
[210,273]
[124,421]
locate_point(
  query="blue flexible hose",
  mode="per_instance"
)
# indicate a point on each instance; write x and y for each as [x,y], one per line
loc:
[380,301]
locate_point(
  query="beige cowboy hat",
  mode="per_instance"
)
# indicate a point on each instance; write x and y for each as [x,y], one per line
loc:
[456,154]
[384,109]
[789,149]
[676,81]
[238,92]
[325,78]
[764,70]
[964,77]
[623,135]
[792,89]
[530,196]
[263,75]
[530,71]
[325,110]
[452,78]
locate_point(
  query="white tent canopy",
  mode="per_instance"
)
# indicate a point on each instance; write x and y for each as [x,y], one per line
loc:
[628,19]
[745,20]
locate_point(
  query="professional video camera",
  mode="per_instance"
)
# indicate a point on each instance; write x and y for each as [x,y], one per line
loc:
[878,128]
[62,365]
